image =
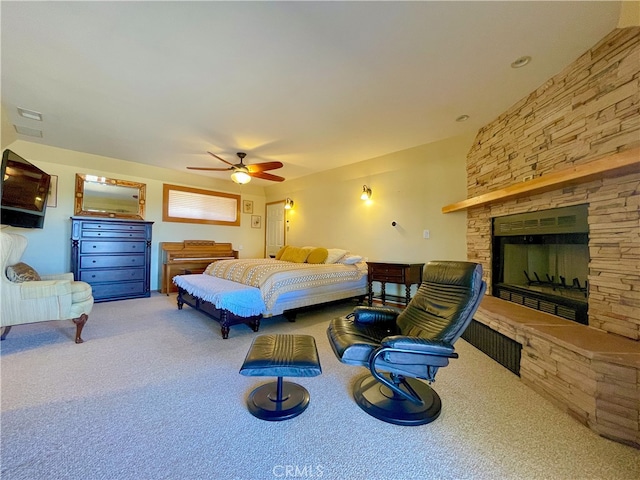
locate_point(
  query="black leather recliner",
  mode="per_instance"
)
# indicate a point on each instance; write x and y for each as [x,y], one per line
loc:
[399,348]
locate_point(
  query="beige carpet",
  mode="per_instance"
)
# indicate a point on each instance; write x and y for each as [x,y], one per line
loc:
[154,393]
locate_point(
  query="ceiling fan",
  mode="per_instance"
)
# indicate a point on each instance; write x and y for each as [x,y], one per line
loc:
[242,173]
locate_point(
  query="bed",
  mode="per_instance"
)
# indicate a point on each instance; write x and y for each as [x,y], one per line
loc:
[247,290]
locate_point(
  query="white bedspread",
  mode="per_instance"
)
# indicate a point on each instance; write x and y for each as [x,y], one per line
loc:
[275,277]
[242,300]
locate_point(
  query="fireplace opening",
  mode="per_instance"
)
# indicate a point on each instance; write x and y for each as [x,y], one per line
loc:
[541,260]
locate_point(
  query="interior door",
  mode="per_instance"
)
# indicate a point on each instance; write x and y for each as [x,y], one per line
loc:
[274,228]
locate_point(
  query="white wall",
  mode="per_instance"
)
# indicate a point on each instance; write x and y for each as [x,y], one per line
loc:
[409,187]
[49,249]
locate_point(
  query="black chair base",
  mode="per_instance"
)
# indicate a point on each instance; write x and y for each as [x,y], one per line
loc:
[382,403]
[277,401]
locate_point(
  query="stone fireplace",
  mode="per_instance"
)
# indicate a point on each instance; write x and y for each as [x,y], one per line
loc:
[588,111]
[561,138]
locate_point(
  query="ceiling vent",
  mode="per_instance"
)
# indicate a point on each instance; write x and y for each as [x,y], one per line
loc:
[31,132]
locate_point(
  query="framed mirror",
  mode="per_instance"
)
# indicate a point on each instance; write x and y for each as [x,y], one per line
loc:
[109,197]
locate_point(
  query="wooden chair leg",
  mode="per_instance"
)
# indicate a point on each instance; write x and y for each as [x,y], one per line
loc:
[80,321]
[4,332]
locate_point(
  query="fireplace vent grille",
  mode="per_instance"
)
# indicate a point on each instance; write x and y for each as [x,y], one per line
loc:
[571,310]
[558,220]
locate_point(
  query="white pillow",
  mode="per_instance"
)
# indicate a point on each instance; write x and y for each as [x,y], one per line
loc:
[350,259]
[335,254]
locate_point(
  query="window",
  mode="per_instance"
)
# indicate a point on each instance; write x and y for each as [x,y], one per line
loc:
[193,205]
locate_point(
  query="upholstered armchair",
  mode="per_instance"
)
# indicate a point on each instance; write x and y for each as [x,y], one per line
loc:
[401,349]
[31,298]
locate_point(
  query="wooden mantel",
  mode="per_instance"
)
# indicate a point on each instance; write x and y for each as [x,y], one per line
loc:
[612,165]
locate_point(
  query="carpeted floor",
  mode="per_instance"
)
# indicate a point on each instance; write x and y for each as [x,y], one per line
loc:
[154,393]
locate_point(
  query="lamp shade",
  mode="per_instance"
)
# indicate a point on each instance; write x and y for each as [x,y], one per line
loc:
[241,177]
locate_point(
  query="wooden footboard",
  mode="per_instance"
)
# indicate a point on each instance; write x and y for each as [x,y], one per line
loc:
[224,317]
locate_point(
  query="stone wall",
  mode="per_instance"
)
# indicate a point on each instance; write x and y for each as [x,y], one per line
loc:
[588,111]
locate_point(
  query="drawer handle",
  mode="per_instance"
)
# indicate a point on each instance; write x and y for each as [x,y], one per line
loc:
[93,261]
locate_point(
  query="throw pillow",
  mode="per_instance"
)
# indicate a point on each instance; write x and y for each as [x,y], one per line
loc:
[295,255]
[21,272]
[350,259]
[335,254]
[280,252]
[318,255]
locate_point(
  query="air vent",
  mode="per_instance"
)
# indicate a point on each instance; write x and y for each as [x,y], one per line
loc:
[567,221]
[529,224]
[554,221]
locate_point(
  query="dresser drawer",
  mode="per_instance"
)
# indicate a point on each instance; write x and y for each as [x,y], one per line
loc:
[388,273]
[111,247]
[103,291]
[114,234]
[391,277]
[129,274]
[111,261]
[106,226]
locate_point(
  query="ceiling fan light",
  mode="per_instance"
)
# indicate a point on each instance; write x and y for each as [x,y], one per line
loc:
[240,177]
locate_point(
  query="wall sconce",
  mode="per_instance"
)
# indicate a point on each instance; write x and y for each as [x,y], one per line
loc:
[288,204]
[366,193]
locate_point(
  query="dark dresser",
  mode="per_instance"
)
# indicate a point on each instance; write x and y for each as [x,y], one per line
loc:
[113,256]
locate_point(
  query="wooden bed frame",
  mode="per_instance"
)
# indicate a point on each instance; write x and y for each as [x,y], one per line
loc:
[226,318]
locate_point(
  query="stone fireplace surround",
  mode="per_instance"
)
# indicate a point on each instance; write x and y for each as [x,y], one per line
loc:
[587,113]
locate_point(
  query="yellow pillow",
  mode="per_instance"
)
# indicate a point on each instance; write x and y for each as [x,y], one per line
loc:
[318,255]
[280,252]
[295,254]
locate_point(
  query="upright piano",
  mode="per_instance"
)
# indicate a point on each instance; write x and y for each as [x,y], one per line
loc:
[190,256]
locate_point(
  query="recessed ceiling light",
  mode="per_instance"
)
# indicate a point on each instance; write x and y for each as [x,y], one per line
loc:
[462,118]
[32,132]
[30,114]
[521,62]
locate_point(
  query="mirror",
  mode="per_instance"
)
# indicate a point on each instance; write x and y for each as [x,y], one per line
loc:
[108,197]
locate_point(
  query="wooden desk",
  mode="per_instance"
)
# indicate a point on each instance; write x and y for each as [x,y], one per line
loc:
[192,256]
[406,274]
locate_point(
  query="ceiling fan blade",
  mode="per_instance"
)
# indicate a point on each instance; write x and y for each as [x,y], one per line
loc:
[261,167]
[221,159]
[211,169]
[267,176]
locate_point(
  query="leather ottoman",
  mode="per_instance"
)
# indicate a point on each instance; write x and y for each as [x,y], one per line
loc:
[280,356]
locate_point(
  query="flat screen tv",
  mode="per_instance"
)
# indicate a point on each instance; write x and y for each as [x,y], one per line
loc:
[25,189]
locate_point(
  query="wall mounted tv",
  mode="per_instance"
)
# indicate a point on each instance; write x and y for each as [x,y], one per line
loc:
[25,189]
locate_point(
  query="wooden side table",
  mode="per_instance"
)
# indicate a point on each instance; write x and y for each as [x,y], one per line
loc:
[406,274]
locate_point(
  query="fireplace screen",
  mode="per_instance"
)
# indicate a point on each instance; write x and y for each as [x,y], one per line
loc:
[541,260]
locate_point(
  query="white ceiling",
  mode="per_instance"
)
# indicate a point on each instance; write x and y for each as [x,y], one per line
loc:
[315,85]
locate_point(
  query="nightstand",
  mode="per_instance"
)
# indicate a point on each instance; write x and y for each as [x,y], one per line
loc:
[406,274]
